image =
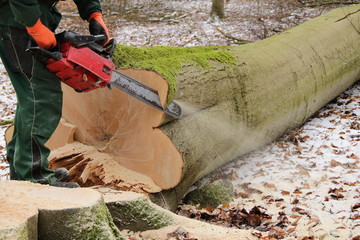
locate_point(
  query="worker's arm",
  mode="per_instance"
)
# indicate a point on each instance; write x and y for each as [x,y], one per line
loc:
[87,7]
[27,13]
[90,10]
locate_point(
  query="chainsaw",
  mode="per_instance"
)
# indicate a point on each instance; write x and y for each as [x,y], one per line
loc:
[84,65]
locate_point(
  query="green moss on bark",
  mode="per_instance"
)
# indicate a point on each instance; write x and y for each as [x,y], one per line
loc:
[138,215]
[84,223]
[213,194]
[168,61]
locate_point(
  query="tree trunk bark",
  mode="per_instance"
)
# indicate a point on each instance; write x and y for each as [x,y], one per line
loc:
[235,99]
[217,9]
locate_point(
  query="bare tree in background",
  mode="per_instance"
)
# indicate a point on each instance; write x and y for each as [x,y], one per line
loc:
[217,10]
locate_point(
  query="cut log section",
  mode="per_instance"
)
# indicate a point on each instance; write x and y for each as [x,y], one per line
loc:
[236,98]
[125,128]
[33,211]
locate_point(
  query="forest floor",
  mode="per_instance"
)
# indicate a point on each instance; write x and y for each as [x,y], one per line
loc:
[302,186]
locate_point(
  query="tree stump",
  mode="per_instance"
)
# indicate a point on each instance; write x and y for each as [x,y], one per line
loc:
[34,211]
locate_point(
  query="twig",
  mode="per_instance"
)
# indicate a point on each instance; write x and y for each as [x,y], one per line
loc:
[325,3]
[239,40]
[3,123]
[355,136]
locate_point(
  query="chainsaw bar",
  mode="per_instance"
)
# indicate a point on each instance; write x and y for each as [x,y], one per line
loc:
[143,93]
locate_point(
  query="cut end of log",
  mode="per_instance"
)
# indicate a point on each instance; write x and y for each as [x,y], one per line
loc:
[109,138]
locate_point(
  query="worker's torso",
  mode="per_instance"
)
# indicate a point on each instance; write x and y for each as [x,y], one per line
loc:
[50,16]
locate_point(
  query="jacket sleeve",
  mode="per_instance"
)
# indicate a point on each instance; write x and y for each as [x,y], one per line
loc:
[26,12]
[87,7]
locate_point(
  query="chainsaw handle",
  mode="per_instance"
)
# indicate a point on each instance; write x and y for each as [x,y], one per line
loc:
[79,41]
[42,54]
[75,39]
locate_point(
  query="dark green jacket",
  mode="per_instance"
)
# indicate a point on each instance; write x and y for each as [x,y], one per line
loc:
[21,13]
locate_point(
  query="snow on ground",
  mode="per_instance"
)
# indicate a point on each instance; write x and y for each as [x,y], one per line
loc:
[186,23]
[307,181]
[7,106]
[311,174]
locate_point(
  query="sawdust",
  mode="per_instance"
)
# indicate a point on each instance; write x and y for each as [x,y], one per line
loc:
[89,167]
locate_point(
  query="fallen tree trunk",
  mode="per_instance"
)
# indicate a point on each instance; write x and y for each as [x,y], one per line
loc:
[235,99]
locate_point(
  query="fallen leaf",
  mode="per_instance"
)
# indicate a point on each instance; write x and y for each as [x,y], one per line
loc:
[270,185]
[242,195]
[301,211]
[285,193]
[334,163]
[355,207]
[353,156]
[297,191]
[234,175]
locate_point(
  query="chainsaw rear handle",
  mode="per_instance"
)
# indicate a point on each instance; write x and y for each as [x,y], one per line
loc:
[42,54]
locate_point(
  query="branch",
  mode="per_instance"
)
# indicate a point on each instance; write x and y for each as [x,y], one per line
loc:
[238,40]
[3,123]
[325,3]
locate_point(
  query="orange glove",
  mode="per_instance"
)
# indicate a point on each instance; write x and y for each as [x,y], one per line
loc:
[43,36]
[97,26]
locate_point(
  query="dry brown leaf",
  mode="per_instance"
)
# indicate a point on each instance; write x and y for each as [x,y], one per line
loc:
[334,163]
[270,185]
[355,207]
[242,195]
[297,191]
[334,146]
[295,201]
[234,175]
[353,156]
[285,193]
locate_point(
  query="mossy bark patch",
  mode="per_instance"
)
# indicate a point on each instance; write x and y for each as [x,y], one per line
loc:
[212,194]
[79,223]
[168,61]
[133,211]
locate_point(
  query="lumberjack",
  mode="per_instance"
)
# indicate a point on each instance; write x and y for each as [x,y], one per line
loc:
[38,91]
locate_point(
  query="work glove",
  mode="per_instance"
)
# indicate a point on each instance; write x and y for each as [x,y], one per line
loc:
[43,36]
[97,27]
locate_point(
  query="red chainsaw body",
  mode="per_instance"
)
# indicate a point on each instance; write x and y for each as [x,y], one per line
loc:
[81,68]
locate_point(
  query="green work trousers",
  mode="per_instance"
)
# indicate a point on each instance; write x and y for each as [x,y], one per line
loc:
[38,112]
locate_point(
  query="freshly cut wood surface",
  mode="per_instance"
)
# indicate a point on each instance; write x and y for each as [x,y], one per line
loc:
[90,167]
[117,124]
